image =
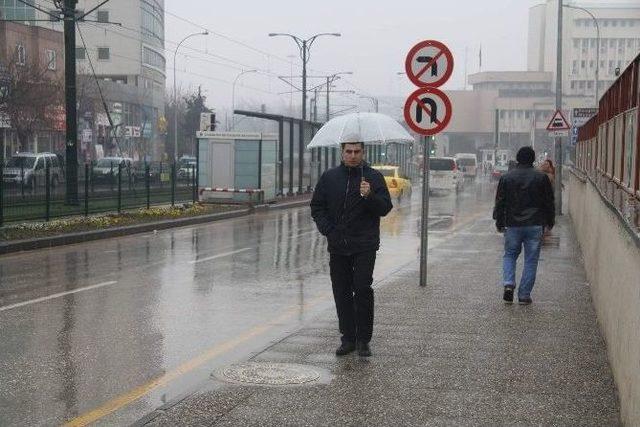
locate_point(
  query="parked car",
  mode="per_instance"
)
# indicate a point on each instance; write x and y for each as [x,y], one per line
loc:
[138,171]
[106,169]
[29,169]
[468,164]
[398,186]
[444,175]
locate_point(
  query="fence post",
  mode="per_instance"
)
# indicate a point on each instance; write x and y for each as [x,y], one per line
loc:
[2,188]
[47,191]
[93,185]
[173,183]
[160,174]
[147,184]
[111,176]
[193,183]
[22,180]
[86,188]
[119,187]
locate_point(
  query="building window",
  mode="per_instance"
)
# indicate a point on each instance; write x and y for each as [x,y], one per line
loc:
[573,84]
[605,22]
[103,16]
[51,59]
[592,43]
[81,53]
[574,67]
[583,64]
[576,43]
[630,43]
[585,43]
[612,43]
[623,23]
[602,64]
[581,84]
[21,55]
[104,54]
[589,84]
[153,58]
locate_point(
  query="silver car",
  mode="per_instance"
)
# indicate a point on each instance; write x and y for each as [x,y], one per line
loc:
[29,169]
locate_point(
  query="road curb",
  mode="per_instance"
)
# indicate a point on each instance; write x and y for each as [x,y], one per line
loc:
[86,236]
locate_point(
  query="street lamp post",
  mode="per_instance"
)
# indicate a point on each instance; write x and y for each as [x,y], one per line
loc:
[304,45]
[233,96]
[175,96]
[597,45]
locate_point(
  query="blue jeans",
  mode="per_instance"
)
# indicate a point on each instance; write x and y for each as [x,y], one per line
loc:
[514,238]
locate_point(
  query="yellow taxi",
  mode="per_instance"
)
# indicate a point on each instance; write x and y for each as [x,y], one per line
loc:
[398,186]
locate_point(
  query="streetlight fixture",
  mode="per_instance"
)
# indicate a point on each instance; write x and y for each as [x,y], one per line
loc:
[175,94]
[597,45]
[233,96]
[305,46]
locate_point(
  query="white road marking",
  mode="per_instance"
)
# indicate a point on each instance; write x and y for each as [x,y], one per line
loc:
[58,295]
[220,255]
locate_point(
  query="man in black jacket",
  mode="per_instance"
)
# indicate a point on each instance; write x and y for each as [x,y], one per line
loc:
[524,207]
[346,206]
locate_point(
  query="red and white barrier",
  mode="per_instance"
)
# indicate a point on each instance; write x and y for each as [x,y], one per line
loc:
[231,190]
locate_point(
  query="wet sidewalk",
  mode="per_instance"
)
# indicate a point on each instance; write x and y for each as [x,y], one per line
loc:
[449,354]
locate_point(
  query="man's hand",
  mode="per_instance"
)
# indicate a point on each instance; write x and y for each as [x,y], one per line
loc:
[500,228]
[365,189]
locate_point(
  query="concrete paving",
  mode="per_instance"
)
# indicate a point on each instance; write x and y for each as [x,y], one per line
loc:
[448,354]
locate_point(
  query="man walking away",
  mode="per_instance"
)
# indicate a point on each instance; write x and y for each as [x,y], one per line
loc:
[346,206]
[524,207]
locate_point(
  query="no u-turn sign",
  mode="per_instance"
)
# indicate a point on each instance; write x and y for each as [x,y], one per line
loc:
[427,111]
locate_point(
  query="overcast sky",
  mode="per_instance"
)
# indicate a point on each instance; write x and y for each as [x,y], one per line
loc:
[376,35]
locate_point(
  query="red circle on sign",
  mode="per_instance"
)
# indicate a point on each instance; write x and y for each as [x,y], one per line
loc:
[415,97]
[414,50]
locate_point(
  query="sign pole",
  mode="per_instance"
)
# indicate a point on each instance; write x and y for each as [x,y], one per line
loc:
[558,140]
[427,111]
[424,222]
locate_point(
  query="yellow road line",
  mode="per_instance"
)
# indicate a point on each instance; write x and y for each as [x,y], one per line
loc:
[144,389]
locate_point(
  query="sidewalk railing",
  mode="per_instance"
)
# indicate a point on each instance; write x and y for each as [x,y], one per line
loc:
[40,194]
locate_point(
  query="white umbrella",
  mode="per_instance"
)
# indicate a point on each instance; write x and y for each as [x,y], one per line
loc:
[370,128]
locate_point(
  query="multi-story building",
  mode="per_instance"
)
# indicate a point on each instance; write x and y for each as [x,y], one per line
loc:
[129,61]
[34,55]
[582,50]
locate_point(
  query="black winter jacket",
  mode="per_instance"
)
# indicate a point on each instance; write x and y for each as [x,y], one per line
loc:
[524,197]
[350,222]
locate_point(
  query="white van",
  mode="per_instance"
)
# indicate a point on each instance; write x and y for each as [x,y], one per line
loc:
[468,164]
[444,175]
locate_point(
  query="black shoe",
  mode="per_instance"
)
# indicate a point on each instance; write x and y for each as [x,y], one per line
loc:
[345,348]
[363,349]
[508,294]
[525,301]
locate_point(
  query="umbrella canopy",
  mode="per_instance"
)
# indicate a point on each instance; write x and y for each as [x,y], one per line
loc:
[370,128]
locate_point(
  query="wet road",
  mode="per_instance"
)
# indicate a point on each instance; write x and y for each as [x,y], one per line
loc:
[107,331]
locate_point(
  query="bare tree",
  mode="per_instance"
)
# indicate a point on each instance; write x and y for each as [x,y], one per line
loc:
[31,100]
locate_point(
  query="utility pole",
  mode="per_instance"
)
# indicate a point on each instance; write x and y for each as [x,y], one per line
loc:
[71,138]
[558,142]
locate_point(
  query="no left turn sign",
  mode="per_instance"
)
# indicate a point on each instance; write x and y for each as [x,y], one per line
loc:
[429,63]
[427,111]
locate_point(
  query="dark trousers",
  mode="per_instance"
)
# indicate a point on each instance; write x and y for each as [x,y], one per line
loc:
[351,279]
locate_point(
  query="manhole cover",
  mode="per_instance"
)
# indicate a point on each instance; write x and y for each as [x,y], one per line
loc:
[270,373]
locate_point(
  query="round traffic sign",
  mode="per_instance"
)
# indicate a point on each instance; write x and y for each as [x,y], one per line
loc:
[429,63]
[427,111]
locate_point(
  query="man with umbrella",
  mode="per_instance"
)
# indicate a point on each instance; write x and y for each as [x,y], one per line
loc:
[347,204]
